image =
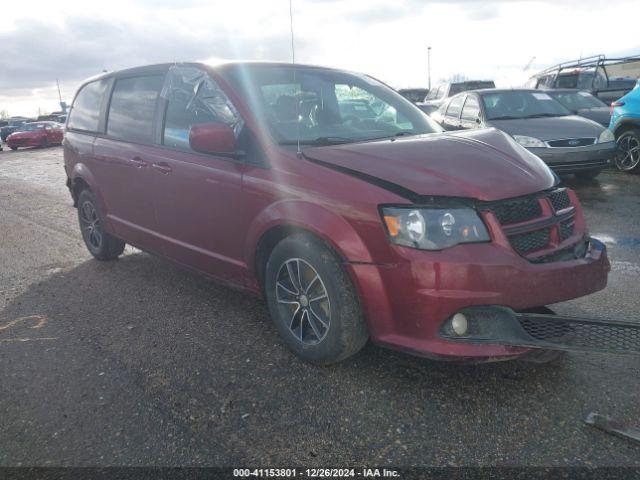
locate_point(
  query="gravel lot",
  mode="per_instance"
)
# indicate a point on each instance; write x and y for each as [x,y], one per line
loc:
[137,362]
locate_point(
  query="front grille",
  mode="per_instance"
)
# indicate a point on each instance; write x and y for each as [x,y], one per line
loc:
[565,229]
[583,335]
[515,211]
[566,254]
[560,200]
[529,242]
[571,142]
[538,222]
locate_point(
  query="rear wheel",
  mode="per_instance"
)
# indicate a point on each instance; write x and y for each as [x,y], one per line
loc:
[13,148]
[101,244]
[44,143]
[313,302]
[628,155]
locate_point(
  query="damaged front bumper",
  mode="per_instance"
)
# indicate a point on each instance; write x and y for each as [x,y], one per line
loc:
[498,325]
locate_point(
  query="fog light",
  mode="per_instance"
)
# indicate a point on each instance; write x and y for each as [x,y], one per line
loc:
[459,324]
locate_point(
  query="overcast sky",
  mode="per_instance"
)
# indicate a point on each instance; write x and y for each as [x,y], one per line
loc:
[71,40]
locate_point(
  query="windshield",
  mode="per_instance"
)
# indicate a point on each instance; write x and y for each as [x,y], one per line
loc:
[466,86]
[324,106]
[521,104]
[31,127]
[577,100]
[587,79]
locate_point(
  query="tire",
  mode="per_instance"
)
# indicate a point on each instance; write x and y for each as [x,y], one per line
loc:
[101,244]
[628,155]
[588,174]
[316,311]
[44,143]
[13,148]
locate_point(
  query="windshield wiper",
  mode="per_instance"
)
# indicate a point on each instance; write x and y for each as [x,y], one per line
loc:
[402,133]
[321,141]
[505,117]
[541,115]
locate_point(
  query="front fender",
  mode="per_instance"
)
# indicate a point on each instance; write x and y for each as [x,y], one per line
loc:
[325,224]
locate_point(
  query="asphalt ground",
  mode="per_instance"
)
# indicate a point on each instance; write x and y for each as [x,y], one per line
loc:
[138,362]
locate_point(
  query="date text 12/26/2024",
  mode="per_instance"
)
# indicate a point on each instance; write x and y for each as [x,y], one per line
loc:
[316,473]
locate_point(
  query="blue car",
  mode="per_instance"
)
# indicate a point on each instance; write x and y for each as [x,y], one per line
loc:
[625,124]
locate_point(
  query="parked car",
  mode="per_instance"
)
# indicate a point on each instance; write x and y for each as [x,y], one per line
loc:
[355,110]
[440,93]
[14,125]
[581,102]
[414,95]
[380,228]
[36,134]
[567,143]
[625,124]
[606,78]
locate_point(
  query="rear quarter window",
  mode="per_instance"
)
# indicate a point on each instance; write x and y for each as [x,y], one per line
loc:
[85,112]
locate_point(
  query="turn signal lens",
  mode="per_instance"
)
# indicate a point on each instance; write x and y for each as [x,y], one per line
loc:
[393,225]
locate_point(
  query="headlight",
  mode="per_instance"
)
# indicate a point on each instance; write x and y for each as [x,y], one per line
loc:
[528,142]
[433,229]
[606,136]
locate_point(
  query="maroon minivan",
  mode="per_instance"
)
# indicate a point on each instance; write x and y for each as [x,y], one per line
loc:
[335,198]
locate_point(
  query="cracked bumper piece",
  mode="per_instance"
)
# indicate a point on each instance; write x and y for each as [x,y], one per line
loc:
[503,326]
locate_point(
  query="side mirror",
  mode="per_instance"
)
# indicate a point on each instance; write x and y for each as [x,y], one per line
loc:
[212,138]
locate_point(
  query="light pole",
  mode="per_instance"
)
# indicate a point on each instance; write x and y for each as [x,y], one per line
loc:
[429,65]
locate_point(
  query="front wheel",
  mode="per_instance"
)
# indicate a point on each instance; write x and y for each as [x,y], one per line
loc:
[101,244]
[628,156]
[313,302]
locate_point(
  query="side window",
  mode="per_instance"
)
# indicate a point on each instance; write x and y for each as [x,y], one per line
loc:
[132,108]
[85,112]
[193,97]
[455,106]
[471,109]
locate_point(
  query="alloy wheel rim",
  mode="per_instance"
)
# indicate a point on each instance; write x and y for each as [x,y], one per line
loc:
[90,224]
[303,301]
[628,152]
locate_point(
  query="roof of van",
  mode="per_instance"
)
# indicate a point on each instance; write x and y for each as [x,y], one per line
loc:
[216,66]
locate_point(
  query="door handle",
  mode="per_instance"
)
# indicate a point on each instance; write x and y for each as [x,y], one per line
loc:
[162,167]
[138,162]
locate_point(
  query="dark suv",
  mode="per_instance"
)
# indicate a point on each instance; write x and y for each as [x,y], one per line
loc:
[377,226]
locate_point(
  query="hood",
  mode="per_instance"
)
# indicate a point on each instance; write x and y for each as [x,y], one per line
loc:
[601,115]
[16,135]
[484,164]
[550,128]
